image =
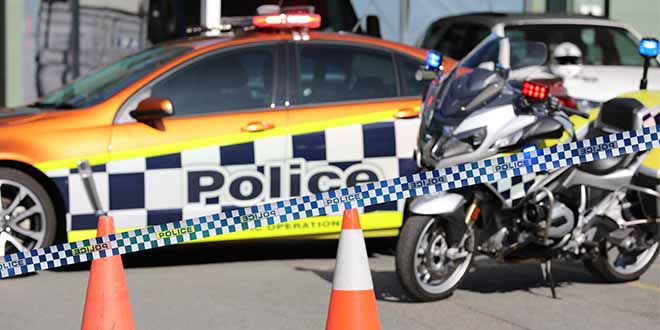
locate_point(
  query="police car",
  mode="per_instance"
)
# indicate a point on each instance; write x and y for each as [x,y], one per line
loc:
[261,112]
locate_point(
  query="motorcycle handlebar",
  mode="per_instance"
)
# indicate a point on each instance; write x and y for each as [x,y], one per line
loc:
[554,104]
[572,111]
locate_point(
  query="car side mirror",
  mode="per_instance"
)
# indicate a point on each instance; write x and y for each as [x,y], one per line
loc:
[152,110]
[373,26]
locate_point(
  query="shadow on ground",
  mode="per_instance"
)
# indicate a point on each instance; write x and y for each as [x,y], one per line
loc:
[222,252]
[486,276]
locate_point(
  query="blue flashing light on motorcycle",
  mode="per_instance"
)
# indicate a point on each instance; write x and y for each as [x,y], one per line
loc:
[648,47]
[432,69]
[433,60]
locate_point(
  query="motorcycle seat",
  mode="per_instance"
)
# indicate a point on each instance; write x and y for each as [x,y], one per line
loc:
[616,115]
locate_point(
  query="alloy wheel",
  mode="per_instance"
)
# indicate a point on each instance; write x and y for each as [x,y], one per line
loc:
[22,218]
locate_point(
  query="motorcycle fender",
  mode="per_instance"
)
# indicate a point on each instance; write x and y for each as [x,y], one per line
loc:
[440,203]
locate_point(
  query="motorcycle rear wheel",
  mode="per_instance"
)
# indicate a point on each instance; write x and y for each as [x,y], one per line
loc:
[610,267]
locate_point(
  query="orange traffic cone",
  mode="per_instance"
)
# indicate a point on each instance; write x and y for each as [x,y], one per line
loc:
[107,305]
[352,302]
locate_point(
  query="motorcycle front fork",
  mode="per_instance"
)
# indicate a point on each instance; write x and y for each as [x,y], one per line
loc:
[459,251]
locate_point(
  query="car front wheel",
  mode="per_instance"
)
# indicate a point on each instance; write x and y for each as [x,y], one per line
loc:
[27,214]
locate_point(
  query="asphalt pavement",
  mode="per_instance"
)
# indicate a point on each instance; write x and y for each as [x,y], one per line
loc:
[286,285]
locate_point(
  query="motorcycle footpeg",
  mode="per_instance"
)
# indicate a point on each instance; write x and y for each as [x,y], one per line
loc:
[456,253]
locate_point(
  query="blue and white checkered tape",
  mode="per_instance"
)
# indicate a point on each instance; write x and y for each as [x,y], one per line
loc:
[361,195]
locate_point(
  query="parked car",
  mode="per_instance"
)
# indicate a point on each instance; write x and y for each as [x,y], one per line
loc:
[596,57]
[199,125]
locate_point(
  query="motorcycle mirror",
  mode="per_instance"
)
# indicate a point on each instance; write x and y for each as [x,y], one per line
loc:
[422,74]
[648,49]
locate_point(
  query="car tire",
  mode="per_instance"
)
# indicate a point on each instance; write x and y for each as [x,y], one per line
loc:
[35,207]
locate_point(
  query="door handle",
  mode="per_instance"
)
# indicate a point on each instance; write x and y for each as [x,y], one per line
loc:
[406,113]
[257,126]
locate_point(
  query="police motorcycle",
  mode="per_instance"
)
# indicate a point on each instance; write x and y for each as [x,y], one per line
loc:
[604,213]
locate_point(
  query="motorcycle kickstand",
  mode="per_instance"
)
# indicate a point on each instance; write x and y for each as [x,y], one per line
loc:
[546,269]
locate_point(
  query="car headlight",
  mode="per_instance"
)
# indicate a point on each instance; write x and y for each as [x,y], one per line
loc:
[460,143]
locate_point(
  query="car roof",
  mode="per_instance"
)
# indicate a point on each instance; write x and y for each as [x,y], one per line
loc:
[493,18]
[213,42]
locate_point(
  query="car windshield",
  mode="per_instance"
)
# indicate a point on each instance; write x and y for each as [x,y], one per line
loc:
[599,45]
[101,84]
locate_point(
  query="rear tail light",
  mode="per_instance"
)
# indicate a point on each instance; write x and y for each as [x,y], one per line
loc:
[282,21]
[535,91]
[568,102]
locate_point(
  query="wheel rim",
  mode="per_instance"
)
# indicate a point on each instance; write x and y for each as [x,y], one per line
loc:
[435,273]
[626,264]
[22,218]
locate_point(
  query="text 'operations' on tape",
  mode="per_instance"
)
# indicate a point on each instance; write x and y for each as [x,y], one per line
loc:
[366,194]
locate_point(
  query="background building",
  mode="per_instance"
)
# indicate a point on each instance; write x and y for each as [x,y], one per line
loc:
[47,43]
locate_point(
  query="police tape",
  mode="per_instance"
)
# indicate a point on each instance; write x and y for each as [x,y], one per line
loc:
[360,195]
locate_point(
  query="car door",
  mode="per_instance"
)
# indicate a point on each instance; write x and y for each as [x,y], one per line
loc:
[214,153]
[344,102]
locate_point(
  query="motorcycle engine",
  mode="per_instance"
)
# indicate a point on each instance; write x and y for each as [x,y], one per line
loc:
[562,219]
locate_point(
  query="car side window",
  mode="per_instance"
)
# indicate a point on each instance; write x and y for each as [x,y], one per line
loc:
[240,79]
[450,44]
[626,47]
[328,73]
[460,38]
[407,69]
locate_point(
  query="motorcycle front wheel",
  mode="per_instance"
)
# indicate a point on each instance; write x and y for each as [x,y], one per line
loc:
[428,268]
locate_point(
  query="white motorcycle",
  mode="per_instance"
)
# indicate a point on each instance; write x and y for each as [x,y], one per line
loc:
[604,212]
